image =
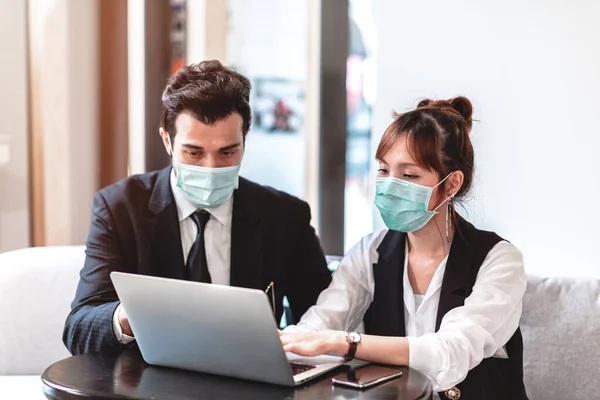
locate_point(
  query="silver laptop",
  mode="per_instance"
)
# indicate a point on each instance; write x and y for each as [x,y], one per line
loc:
[210,328]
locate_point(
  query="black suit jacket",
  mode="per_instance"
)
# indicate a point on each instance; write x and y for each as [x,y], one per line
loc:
[135,229]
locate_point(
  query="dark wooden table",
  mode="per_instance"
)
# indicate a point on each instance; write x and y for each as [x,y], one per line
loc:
[127,376]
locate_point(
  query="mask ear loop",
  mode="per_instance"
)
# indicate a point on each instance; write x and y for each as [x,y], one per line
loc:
[447,198]
[450,209]
[170,148]
[170,153]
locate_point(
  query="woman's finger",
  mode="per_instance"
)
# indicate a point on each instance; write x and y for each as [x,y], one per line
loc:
[285,340]
[292,348]
[289,337]
[287,347]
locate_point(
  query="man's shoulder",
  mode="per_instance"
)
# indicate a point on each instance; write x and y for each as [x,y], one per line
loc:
[270,200]
[133,189]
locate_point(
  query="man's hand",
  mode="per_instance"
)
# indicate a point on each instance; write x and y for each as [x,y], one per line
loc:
[124,322]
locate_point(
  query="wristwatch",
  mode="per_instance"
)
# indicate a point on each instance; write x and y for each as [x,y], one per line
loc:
[353,339]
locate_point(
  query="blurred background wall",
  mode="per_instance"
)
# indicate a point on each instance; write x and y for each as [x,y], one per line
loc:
[81,84]
[14,125]
[531,70]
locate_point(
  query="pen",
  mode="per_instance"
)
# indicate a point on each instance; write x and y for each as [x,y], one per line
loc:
[272,287]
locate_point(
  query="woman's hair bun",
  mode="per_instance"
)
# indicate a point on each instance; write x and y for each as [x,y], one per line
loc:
[464,108]
[424,103]
[459,105]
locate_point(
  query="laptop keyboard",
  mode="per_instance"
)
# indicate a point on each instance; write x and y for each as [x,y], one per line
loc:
[300,368]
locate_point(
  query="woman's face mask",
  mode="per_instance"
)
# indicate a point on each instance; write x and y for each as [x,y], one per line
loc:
[404,190]
[403,205]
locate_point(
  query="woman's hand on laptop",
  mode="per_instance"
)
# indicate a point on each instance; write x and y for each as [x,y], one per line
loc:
[315,343]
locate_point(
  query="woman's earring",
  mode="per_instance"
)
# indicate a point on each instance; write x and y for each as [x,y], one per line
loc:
[449,219]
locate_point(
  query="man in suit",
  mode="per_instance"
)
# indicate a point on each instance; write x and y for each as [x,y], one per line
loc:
[196,219]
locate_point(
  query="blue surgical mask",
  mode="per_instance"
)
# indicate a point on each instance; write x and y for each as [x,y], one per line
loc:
[403,205]
[206,187]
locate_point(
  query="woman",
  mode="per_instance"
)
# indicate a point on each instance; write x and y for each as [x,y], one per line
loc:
[435,293]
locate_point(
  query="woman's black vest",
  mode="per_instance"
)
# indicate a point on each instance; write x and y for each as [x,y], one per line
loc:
[493,378]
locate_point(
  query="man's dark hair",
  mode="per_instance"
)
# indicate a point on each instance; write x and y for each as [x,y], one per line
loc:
[209,92]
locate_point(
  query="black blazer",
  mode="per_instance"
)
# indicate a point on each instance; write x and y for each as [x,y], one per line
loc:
[135,229]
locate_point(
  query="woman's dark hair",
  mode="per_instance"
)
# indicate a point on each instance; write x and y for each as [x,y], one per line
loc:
[437,134]
[209,92]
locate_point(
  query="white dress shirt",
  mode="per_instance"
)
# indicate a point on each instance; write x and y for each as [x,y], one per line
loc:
[479,329]
[217,233]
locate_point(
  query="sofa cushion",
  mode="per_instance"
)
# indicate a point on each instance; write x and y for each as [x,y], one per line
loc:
[561,331]
[37,286]
[22,387]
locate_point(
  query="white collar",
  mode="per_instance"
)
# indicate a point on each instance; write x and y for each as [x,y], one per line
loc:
[222,213]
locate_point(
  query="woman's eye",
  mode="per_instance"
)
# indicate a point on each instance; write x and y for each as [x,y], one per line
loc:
[409,176]
[382,171]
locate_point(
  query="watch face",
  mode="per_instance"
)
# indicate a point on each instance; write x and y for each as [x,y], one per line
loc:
[354,337]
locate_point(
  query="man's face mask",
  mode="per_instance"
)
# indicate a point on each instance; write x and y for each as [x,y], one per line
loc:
[206,187]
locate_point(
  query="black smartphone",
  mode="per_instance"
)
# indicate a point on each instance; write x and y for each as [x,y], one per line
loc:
[367,376]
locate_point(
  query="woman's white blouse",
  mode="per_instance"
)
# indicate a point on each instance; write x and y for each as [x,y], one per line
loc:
[468,334]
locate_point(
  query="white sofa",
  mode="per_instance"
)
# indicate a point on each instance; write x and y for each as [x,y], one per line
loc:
[37,286]
[561,337]
[560,324]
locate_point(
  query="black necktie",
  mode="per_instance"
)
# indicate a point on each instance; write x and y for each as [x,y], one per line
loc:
[197,265]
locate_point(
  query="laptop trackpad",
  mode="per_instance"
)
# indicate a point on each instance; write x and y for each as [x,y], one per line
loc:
[319,360]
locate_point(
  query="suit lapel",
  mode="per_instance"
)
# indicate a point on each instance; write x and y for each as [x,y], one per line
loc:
[246,240]
[164,230]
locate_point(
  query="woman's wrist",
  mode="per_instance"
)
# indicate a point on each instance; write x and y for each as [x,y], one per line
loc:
[339,344]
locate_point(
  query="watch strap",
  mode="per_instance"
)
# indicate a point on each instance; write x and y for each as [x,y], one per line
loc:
[351,351]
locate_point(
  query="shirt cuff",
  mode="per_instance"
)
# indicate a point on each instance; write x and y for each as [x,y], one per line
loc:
[121,337]
[423,356]
[300,328]
[291,329]
[420,354]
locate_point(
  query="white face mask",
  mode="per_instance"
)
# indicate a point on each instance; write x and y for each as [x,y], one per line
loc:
[206,187]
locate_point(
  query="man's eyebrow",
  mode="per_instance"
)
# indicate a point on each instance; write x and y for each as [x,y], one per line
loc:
[230,147]
[191,146]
